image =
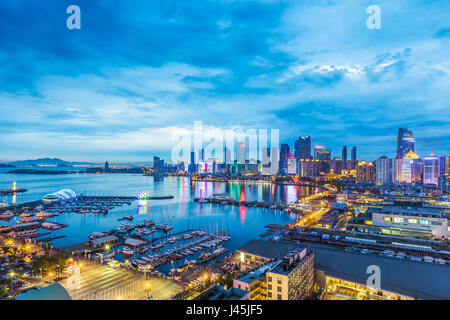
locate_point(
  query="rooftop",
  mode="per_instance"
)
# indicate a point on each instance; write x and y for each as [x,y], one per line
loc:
[267,249]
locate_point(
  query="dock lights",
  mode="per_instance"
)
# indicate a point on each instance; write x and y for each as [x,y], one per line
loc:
[119,298]
[12,274]
[107,247]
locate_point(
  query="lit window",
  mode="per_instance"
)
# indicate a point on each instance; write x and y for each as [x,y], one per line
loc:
[398,220]
[387,219]
[425,222]
[412,221]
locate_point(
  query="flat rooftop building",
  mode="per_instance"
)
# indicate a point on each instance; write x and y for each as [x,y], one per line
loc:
[404,218]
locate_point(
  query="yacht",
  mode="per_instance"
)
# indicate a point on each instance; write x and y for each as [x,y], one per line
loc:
[6,215]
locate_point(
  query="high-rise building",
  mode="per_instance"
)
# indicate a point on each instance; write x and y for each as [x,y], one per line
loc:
[431,169]
[444,184]
[324,157]
[308,168]
[344,158]
[412,168]
[240,152]
[292,165]
[397,169]
[384,170]
[303,148]
[365,172]
[337,165]
[354,159]
[318,148]
[285,152]
[444,166]
[405,142]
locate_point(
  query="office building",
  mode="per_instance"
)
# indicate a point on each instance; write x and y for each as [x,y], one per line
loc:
[384,170]
[308,168]
[431,169]
[412,168]
[285,153]
[303,148]
[337,165]
[344,158]
[354,159]
[365,172]
[324,157]
[407,218]
[292,165]
[293,278]
[405,142]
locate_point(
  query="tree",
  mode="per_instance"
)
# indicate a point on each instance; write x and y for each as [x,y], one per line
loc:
[3,292]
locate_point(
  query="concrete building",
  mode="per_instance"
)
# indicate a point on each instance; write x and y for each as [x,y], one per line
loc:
[293,278]
[405,218]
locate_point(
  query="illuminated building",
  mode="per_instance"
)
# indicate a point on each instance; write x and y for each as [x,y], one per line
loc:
[303,148]
[354,159]
[344,158]
[412,168]
[308,168]
[431,169]
[337,165]
[383,168]
[292,165]
[444,166]
[241,152]
[365,172]
[405,142]
[293,278]
[317,148]
[407,218]
[397,169]
[324,157]
[284,156]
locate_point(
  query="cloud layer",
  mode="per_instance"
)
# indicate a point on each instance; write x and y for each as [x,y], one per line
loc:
[121,85]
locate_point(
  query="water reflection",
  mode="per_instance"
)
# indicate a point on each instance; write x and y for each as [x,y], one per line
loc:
[142,207]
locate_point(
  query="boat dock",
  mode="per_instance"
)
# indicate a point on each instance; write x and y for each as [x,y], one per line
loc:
[233,202]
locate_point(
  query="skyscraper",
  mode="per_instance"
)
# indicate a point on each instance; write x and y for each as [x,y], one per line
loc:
[240,152]
[324,157]
[344,158]
[412,168]
[285,152]
[354,160]
[431,169]
[317,148]
[405,142]
[303,148]
[384,170]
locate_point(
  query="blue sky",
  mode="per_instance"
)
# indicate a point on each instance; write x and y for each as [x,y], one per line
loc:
[134,73]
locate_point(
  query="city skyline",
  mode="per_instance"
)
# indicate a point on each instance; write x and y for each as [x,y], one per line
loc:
[119,87]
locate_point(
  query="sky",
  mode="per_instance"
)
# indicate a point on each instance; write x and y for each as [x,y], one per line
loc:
[138,71]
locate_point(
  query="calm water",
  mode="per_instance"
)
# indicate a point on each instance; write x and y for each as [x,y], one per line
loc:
[241,223]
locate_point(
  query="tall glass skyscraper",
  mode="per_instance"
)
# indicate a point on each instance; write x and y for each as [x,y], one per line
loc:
[303,148]
[431,169]
[405,142]
[344,158]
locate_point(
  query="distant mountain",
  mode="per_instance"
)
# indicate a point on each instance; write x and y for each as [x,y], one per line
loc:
[46,161]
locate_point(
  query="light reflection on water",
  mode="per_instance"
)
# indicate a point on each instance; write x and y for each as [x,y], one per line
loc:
[241,223]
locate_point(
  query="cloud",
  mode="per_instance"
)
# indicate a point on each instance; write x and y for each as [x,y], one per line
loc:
[132,74]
